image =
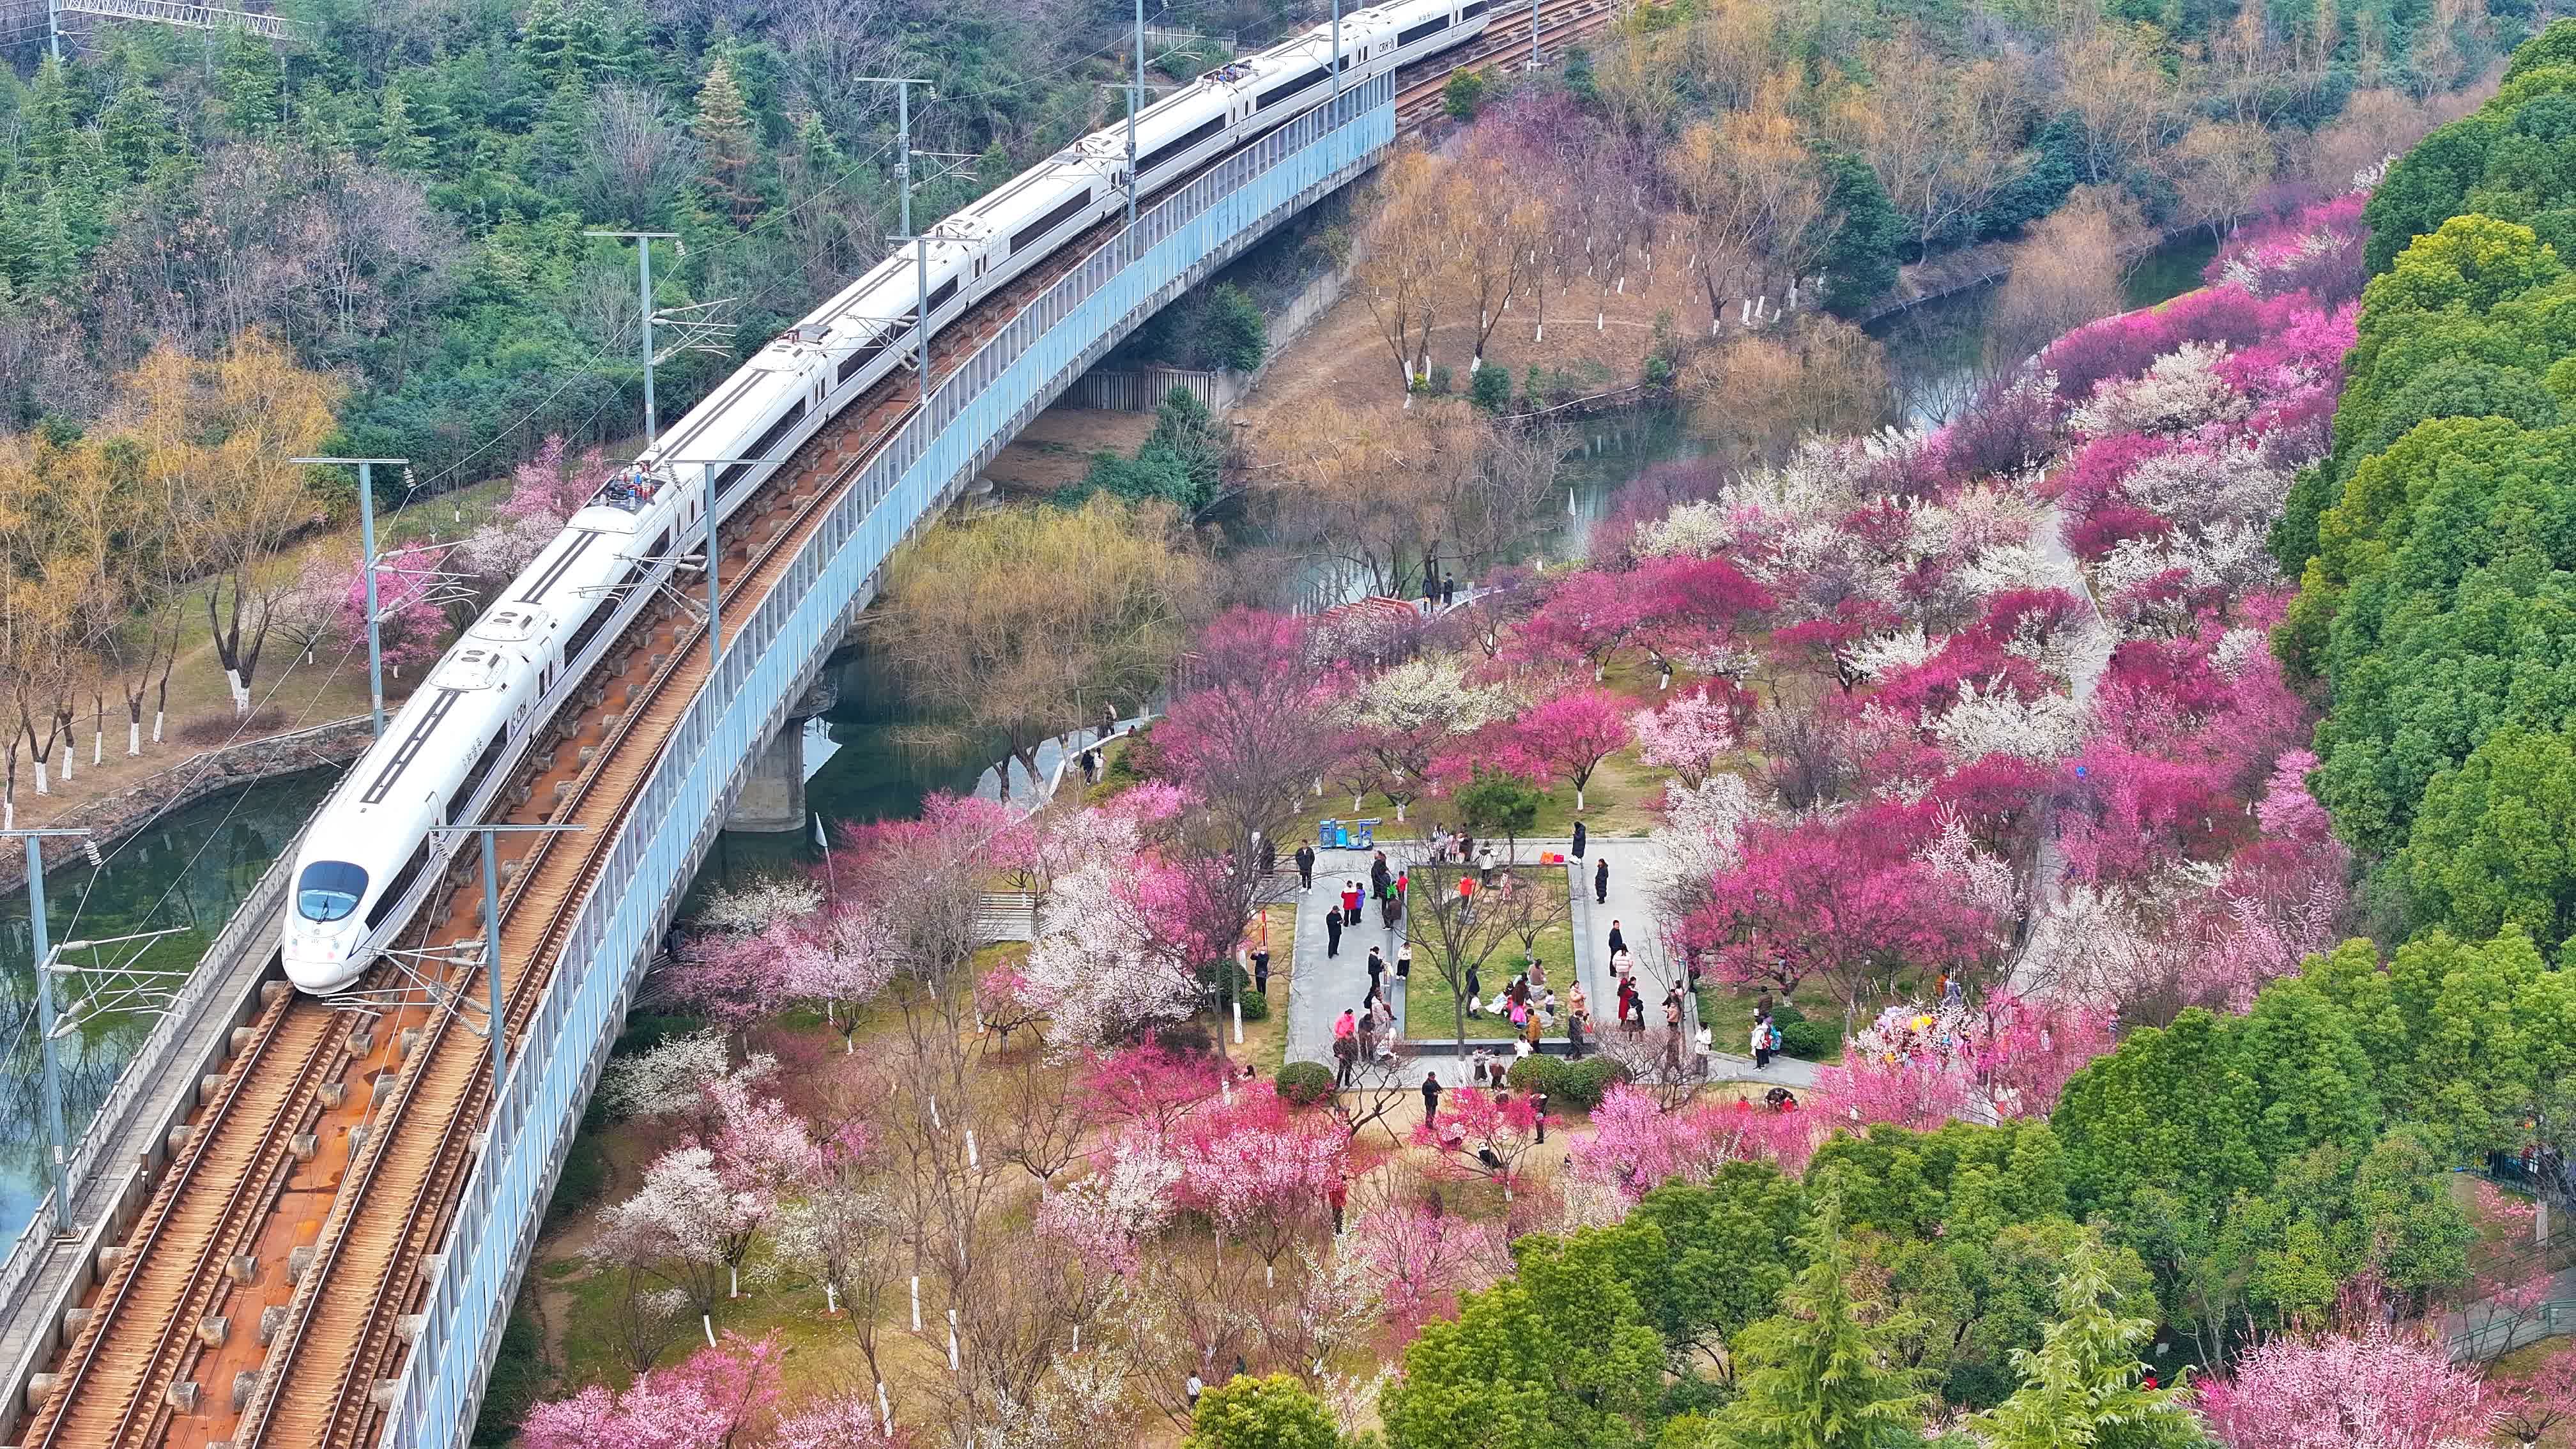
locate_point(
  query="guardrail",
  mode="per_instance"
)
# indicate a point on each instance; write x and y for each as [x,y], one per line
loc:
[243,932]
[680,808]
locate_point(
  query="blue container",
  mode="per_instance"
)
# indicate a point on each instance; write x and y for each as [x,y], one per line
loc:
[1342,836]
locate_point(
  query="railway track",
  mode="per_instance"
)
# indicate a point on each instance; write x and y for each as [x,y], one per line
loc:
[337,1344]
[159,1358]
[1418,93]
[127,1370]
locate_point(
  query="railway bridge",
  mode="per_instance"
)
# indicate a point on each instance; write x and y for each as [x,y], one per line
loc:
[299,1223]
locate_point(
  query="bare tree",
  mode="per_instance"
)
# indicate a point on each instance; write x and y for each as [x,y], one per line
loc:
[639,159]
[1411,256]
[1456,936]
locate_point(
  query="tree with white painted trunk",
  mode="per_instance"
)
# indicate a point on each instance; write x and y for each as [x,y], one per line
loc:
[216,436]
[1412,257]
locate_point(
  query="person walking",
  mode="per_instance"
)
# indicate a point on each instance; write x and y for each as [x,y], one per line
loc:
[1618,938]
[1376,969]
[1332,934]
[1261,972]
[1339,1195]
[1538,1113]
[1404,959]
[1466,897]
[1090,766]
[1448,590]
[1368,1033]
[1578,841]
[1350,903]
[1430,1098]
[1108,719]
[1485,865]
[1379,875]
[1305,867]
[1574,1022]
[1673,1012]
[1761,1041]
[1346,1048]
[1390,905]
[1269,856]
[1600,880]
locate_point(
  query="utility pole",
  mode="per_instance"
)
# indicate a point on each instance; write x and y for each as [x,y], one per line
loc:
[54,28]
[496,1022]
[1337,47]
[60,1155]
[903,188]
[367,566]
[715,627]
[1533,36]
[1135,102]
[644,297]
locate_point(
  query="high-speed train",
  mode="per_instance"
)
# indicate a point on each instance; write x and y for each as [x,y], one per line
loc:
[369,859]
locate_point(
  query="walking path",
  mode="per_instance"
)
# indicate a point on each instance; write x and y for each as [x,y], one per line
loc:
[1322,987]
[2092,655]
[1055,761]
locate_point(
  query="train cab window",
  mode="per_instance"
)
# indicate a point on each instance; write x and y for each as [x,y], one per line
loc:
[329,890]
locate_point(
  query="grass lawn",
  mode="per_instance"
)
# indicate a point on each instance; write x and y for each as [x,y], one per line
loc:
[1430,1006]
[1727,1012]
[1265,1042]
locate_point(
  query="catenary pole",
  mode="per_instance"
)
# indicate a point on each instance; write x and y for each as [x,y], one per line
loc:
[903,190]
[644,295]
[367,567]
[59,1146]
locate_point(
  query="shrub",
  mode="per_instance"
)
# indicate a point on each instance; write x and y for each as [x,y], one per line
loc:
[1305,1083]
[1256,1007]
[1589,1080]
[1810,1040]
[1539,1072]
[1438,384]
[1491,389]
[1465,92]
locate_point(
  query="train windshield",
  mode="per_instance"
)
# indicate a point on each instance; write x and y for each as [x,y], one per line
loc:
[329,890]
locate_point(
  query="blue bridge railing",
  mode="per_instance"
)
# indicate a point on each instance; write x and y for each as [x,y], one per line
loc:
[768,664]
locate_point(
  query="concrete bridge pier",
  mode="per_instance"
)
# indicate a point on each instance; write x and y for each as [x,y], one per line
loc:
[771,800]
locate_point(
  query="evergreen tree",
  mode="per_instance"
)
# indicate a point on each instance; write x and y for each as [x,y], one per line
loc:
[135,131]
[565,39]
[246,78]
[2081,1386]
[401,144]
[1819,1375]
[53,260]
[52,118]
[725,141]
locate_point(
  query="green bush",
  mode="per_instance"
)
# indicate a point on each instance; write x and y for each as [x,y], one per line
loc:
[1305,1083]
[1491,389]
[1570,1086]
[1438,383]
[1809,1040]
[1464,93]
[1256,1007]
[1539,1072]
[1588,1081]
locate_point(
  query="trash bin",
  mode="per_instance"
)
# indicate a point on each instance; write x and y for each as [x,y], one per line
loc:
[1342,836]
[1324,833]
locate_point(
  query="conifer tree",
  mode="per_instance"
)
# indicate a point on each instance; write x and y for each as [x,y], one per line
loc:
[52,122]
[247,80]
[401,144]
[2082,1385]
[1819,1375]
[724,140]
[135,131]
[565,39]
[53,260]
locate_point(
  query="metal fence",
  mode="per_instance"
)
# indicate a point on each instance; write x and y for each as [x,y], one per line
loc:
[214,971]
[681,806]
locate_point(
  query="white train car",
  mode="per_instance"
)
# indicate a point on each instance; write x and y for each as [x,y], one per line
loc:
[369,858]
